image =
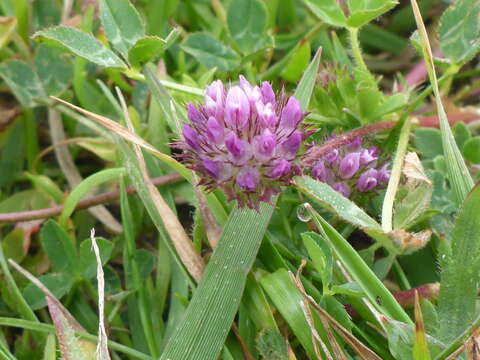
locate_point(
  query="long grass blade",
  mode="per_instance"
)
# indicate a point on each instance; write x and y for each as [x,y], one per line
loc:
[459,176]
[376,292]
[205,326]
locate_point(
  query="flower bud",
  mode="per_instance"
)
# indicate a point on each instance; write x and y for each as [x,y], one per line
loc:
[292,144]
[235,146]
[383,174]
[237,108]
[291,114]
[268,96]
[368,180]
[279,169]
[264,145]
[191,137]
[248,178]
[367,156]
[215,131]
[349,165]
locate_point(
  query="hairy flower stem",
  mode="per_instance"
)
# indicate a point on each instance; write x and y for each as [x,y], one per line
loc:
[356,50]
[318,151]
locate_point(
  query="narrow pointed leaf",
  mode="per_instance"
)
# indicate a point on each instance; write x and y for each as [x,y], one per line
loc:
[209,316]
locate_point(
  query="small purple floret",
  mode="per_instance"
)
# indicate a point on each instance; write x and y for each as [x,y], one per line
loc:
[349,165]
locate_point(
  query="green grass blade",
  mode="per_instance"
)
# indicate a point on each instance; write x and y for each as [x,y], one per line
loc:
[304,90]
[460,272]
[343,207]
[287,299]
[208,318]
[50,329]
[85,187]
[376,292]
[460,179]
[22,305]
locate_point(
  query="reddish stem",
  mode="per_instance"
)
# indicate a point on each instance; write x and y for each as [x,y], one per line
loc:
[406,298]
[318,151]
[106,197]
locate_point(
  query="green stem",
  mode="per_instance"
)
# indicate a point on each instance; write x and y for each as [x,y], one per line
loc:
[141,301]
[401,276]
[50,329]
[387,208]
[356,50]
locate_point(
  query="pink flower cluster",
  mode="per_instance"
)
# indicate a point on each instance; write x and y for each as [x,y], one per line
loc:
[244,140]
[351,167]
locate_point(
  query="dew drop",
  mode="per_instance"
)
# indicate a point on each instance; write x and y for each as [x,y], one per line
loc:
[303,212]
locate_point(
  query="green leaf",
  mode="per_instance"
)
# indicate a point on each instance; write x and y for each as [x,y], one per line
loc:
[46,185]
[287,299]
[459,176]
[209,316]
[54,69]
[14,246]
[271,345]
[401,340]
[145,262]
[321,254]
[304,89]
[428,142]
[79,43]
[23,82]
[364,11]
[210,52]
[346,209]
[298,63]
[7,29]
[59,247]
[145,49]
[328,11]
[122,23]
[88,262]
[376,292]
[58,283]
[471,150]
[462,133]
[247,23]
[460,271]
[459,31]
[85,187]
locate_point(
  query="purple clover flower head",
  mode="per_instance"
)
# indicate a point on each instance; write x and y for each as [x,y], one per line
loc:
[352,167]
[349,165]
[368,180]
[245,140]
